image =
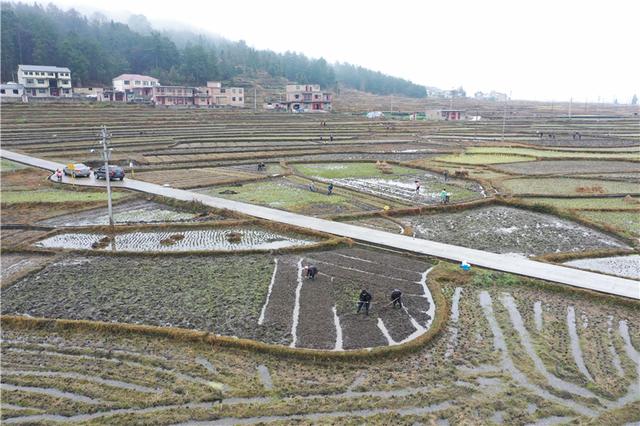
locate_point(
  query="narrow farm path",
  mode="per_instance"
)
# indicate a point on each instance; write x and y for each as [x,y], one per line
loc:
[554,273]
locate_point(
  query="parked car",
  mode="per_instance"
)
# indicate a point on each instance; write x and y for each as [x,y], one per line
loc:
[115,172]
[78,170]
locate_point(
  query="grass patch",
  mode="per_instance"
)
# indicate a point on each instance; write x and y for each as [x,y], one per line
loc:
[585,203]
[539,153]
[55,196]
[629,222]
[278,195]
[9,166]
[564,186]
[350,170]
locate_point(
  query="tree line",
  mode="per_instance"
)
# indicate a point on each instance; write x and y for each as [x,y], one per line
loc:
[96,49]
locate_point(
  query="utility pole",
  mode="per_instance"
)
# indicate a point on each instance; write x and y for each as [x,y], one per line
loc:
[570,105]
[106,154]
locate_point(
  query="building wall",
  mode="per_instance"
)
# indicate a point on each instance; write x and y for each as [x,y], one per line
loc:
[45,83]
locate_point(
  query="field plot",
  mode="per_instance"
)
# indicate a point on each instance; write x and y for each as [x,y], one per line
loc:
[399,185]
[628,221]
[254,296]
[177,240]
[509,230]
[568,186]
[513,351]
[624,266]
[194,178]
[481,159]
[136,211]
[631,203]
[539,153]
[294,196]
[569,167]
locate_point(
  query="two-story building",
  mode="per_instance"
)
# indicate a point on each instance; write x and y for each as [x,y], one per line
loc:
[223,96]
[45,81]
[307,98]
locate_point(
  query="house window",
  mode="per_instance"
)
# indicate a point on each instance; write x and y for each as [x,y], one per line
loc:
[15,91]
[40,81]
[127,82]
[29,81]
[240,99]
[223,90]
[233,99]
[2,91]
[297,96]
[145,83]
[65,90]
[317,97]
[42,91]
[137,83]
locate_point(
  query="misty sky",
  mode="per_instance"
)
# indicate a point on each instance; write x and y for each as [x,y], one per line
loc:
[544,50]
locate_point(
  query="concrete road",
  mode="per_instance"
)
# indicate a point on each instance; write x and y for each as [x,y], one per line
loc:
[554,273]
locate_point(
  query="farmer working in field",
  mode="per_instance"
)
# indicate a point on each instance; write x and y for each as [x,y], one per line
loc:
[443,196]
[364,301]
[396,298]
[310,271]
[330,188]
[417,187]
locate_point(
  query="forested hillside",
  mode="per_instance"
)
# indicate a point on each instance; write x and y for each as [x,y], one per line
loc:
[97,49]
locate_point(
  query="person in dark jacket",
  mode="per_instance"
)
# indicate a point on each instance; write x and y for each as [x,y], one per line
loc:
[311,271]
[364,301]
[396,297]
[330,189]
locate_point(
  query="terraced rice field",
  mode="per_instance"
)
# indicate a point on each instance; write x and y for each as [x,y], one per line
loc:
[496,361]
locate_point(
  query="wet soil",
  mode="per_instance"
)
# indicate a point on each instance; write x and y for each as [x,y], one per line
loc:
[568,167]
[509,230]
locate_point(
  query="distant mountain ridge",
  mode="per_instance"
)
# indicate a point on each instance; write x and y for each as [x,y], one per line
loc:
[97,49]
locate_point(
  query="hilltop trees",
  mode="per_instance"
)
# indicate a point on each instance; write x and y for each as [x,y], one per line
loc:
[98,49]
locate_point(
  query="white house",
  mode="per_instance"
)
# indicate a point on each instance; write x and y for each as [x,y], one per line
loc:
[11,90]
[45,81]
[128,82]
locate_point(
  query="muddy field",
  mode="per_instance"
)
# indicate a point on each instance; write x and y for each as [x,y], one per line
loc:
[509,230]
[129,212]
[13,265]
[254,296]
[568,167]
[178,240]
[511,353]
[624,266]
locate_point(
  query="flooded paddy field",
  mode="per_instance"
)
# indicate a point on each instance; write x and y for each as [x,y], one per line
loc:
[624,266]
[509,230]
[177,240]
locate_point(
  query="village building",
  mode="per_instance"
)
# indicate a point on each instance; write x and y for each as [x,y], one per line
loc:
[45,81]
[445,114]
[96,93]
[12,91]
[307,98]
[223,96]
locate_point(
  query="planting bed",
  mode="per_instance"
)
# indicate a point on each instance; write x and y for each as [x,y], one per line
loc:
[569,167]
[187,240]
[253,296]
[627,221]
[509,230]
[625,266]
[137,211]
